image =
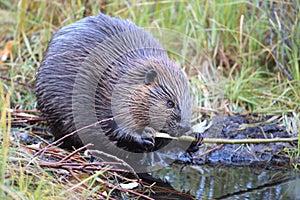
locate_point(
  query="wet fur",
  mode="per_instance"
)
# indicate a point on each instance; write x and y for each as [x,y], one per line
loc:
[79,43]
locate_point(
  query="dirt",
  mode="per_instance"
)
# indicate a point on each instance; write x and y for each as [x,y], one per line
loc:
[245,127]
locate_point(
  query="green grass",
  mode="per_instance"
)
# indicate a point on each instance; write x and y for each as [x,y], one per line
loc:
[241,57]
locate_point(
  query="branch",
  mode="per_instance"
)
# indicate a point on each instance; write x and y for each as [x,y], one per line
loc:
[228,141]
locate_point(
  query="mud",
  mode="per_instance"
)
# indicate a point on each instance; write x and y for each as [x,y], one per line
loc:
[245,127]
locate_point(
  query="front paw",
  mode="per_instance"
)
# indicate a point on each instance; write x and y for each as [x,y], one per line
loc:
[148,138]
[195,145]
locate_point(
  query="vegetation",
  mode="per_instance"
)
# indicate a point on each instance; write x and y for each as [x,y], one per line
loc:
[241,57]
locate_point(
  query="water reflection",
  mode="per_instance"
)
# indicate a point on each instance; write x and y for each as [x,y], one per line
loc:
[219,182]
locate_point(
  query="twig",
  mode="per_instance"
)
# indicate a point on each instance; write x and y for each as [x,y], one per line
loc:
[73,133]
[228,141]
[122,162]
[22,121]
[18,82]
[75,152]
[80,166]
[26,111]
[208,151]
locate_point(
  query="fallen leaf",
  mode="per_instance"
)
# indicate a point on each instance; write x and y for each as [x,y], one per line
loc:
[129,185]
[5,53]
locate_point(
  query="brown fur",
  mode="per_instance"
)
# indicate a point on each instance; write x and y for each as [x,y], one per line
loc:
[109,67]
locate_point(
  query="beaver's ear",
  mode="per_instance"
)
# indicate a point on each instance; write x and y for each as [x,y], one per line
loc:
[150,77]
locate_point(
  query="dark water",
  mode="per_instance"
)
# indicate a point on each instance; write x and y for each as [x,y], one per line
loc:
[206,182]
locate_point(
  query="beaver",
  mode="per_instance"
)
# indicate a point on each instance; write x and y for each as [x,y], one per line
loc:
[109,70]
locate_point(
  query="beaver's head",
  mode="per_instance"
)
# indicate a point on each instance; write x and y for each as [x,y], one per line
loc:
[153,94]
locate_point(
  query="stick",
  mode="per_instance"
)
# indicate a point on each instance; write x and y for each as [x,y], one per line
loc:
[73,133]
[228,141]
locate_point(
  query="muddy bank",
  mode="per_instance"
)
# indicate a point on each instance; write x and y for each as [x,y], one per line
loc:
[241,127]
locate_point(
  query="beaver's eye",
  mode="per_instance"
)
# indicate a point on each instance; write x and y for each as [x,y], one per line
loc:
[170,104]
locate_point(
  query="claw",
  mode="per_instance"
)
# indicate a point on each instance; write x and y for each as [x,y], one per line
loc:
[195,145]
[199,138]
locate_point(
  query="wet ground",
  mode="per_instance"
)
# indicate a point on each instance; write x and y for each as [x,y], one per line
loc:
[239,127]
